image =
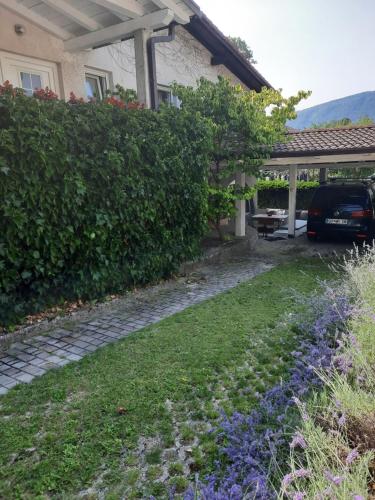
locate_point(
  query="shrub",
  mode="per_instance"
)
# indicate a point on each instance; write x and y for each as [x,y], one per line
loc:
[274,194]
[94,198]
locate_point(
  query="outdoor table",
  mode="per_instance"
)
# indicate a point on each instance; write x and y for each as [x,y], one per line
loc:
[270,220]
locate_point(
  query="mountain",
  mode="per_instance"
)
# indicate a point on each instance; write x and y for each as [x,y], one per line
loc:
[354,107]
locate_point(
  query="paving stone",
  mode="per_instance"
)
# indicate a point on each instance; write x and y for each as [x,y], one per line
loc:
[9,360]
[4,379]
[10,372]
[38,361]
[34,370]
[76,350]
[31,350]
[25,377]
[81,344]
[19,364]
[73,357]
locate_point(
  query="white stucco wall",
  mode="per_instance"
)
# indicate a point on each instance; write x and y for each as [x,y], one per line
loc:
[183,60]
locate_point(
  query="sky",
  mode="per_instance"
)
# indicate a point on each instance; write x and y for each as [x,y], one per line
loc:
[326,46]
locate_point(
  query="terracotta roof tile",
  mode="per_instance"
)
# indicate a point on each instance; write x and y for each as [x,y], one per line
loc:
[355,139]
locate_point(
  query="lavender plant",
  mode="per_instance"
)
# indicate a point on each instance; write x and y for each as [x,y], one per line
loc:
[256,445]
[339,433]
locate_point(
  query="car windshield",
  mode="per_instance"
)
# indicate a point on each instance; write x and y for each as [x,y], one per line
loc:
[328,197]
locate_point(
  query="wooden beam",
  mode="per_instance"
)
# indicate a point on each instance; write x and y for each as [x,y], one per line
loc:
[217,60]
[181,15]
[282,163]
[36,19]
[123,8]
[74,14]
[155,20]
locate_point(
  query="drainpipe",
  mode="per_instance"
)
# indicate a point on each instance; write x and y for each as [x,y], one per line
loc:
[151,56]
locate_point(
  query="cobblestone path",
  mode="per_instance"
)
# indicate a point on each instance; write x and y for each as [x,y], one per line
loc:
[72,340]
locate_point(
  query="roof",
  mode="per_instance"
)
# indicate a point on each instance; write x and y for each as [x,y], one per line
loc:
[86,24]
[327,141]
[223,50]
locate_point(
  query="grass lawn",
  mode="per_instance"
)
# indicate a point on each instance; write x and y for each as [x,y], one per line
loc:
[133,417]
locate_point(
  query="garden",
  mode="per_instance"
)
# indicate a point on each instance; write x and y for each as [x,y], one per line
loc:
[228,399]
[266,391]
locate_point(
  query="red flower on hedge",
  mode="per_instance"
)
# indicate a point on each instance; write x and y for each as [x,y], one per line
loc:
[7,89]
[113,101]
[45,94]
[73,99]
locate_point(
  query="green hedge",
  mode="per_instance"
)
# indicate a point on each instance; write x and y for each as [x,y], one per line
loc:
[95,198]
[274,194]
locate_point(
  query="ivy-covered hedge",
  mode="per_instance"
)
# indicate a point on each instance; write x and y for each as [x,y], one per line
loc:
[95,198]
[275,194]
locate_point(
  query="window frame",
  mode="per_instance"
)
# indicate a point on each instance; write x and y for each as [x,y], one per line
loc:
[102,79]
[172,99]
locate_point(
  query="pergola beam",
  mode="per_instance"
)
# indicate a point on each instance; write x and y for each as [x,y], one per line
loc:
[181,15]
[74,14]
[36,19]
[314,161]
[155,20]
[123,8]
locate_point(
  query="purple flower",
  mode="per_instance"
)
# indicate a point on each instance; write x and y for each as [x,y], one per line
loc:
[342,420]
[255,442]
[358,497]
[298,440]
[336,480]
[299,495]
[343,363]
[289,478]
[353,455]
[353,340]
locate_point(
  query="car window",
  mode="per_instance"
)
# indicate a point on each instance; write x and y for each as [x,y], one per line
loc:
[333,196]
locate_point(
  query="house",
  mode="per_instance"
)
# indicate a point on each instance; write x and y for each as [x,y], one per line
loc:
[89,46]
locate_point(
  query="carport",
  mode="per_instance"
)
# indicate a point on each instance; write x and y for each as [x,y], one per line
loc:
[336,148]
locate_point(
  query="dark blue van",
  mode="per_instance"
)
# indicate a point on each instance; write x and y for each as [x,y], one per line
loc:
[343,207]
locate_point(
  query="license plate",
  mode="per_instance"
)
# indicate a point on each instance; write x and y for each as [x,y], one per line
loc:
[337,221]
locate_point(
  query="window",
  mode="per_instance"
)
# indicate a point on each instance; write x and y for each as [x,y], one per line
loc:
[96,85]
[28,73]
[165,96]
[30,82]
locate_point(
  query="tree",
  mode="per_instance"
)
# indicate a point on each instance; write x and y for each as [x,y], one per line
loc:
[243,48]
[246,125]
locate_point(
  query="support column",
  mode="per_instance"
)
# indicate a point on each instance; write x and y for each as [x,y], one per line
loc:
[323,174]
[141,66]
[292,201]
[241,208]
[251,180]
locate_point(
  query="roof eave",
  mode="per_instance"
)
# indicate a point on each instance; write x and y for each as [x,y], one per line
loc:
[321,152]
[217,43]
